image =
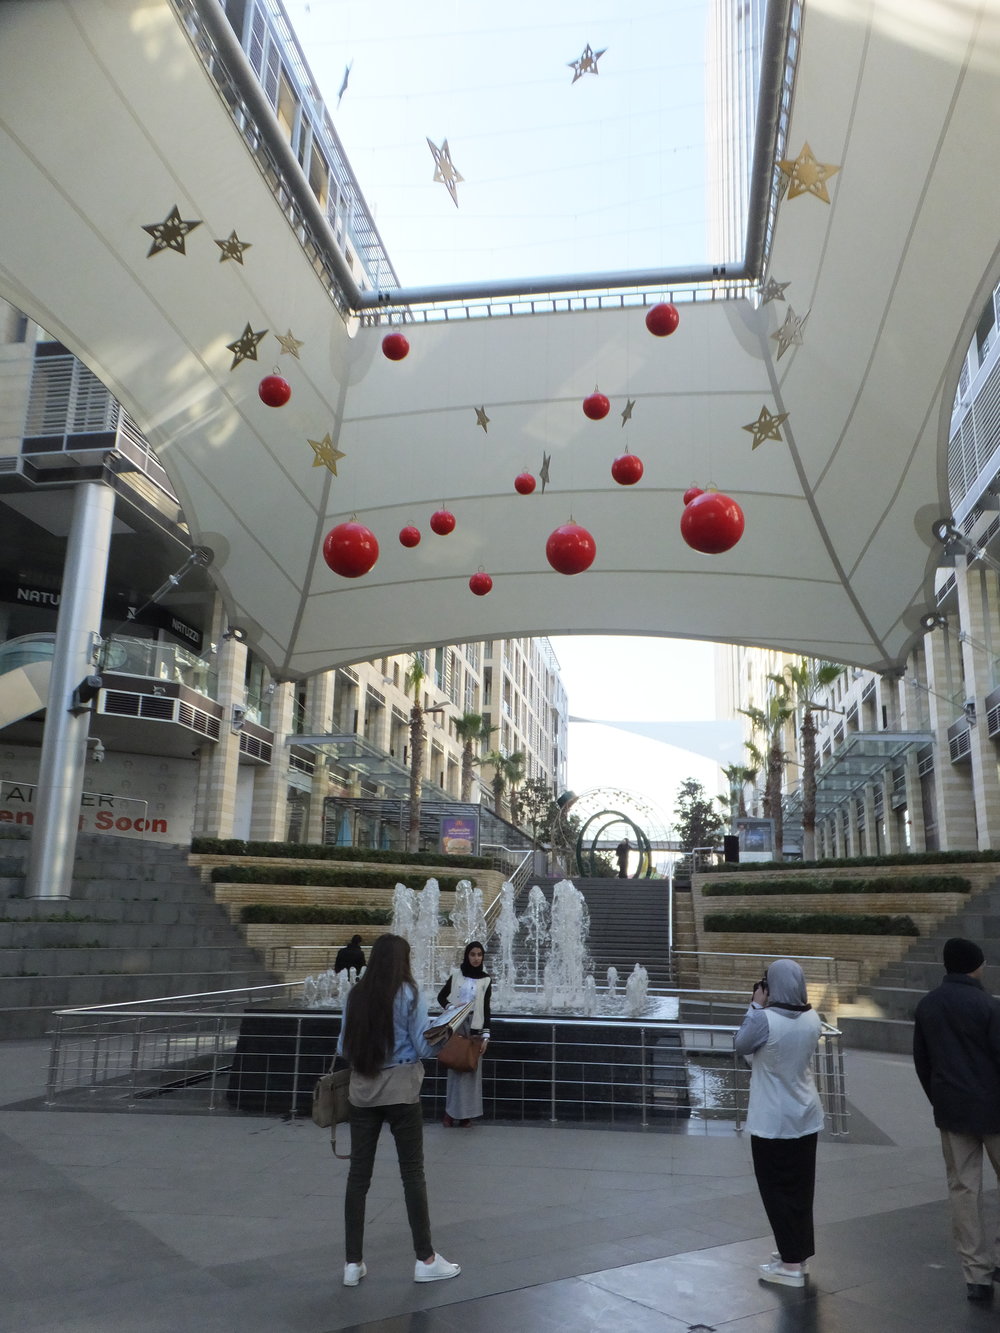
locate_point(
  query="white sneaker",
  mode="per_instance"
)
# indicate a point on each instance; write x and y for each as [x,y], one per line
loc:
[436,1270]
[353,1273]
[777,1272]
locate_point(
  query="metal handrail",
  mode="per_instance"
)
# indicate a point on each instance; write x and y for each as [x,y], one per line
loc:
[518,878]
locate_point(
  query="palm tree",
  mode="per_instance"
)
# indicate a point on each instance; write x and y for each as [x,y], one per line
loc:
[416,674]
[497,761]
[806,679]
[738,776]
[515,772]
[469,729]
[769,722]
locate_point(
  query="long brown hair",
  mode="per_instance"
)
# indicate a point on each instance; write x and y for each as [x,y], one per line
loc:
[369,1037]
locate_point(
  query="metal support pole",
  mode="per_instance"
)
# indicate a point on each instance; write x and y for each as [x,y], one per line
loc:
[64,743]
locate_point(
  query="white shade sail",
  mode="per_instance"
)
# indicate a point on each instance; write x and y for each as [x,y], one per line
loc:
[108,120]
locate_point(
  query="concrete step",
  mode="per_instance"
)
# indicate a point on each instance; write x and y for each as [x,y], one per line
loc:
[110,935]
[108,910]
[47,962]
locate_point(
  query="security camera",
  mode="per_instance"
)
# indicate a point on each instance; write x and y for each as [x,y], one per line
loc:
[97,751]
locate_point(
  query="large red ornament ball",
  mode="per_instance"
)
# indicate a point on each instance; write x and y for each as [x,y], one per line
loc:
[662,319]
[712,523]
[481,584]
[409,536]
[274,391]
[570,549]
[524,483]
[442,522]
[627,469]
[596,406]
[350,549]
[395,346]
[692,493]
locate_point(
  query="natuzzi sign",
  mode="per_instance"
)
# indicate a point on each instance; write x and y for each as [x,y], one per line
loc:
[115,608]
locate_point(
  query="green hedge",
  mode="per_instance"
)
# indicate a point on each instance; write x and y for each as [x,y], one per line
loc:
[919,884]
[312,851]
[328,877]
[277,914]
[809,923]
[897,859]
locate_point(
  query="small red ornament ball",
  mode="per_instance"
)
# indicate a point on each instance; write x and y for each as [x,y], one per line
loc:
[481,584]
[395,346]
[596,406]
[570,549]
[409,536]
[274,391]
[627,469]
[350,549]
[524,483]
[692,493]
[662,319]
[442,522]
[712,523]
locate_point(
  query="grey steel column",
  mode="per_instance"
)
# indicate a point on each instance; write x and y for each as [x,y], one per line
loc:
[64,744]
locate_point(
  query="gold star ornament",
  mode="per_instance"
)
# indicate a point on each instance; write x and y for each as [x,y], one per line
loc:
[326,455]
[444,169]
[806,175]
[766,427]
[289,344]
[245,346]
[169,234]
[587,64]
[790,333]
[627,411]
[543,471]
[482,419]
[772,291]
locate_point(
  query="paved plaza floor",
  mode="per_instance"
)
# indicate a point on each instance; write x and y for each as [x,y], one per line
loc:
[146,1223]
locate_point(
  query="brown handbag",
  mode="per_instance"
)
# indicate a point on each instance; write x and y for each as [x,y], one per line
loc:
[461,1053]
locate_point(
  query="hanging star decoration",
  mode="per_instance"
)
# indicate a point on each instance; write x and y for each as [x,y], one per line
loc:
[627,411]
[169,234]
[772,291]
[543,471]
[289,344]
[232,248]
[445,170]
[587,64]
[482,419]
[327,455]
[245,346]
[806,175]
[766,427]
[790,333]
[345,81]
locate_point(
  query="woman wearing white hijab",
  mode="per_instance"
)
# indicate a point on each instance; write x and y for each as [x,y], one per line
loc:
[779,1037]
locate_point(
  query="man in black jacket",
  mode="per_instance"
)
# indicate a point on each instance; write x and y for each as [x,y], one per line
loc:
[351,955]
[956,1051]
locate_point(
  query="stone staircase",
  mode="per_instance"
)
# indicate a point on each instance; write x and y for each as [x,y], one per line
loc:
[881,1017]
[140,924]
[628,925]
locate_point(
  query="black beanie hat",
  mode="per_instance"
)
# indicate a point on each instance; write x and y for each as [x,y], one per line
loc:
[962,955]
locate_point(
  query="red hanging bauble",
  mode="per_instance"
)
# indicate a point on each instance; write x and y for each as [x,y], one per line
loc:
[627,469]
[480,584]
[570,549]
[395,346]
[692,493]
[596,406]
[524,483]
[350,549]
[442,522]
[409,536]
[712,523]
[274,390]
[661,320]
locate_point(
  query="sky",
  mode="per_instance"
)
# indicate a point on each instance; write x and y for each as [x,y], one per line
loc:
[601,173]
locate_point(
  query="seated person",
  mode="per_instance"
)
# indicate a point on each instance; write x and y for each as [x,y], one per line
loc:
[351,955]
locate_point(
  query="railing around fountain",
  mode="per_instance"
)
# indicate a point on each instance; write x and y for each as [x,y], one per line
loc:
[258,1051]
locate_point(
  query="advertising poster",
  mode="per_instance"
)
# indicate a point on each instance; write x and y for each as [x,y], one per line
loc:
[459,835]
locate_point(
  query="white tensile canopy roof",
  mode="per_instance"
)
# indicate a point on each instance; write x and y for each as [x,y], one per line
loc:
[108,119]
